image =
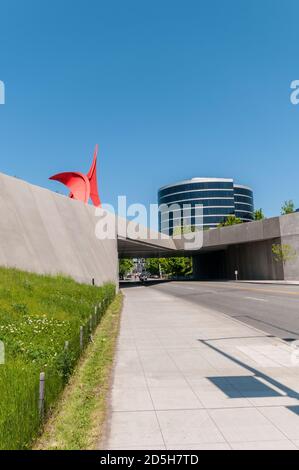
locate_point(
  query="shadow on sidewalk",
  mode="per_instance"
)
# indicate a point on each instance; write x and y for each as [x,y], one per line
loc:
[251,386]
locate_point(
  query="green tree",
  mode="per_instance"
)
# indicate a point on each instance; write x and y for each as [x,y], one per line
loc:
[175,266]
[283,252]
[125,266]
[288,207]
[152,265]
[258,214]
[183,229]
[230,220]
[180,266]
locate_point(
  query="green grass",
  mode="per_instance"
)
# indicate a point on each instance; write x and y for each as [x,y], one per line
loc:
[37,315]
[77,422]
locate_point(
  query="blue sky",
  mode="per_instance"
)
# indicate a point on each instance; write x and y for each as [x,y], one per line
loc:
[168,89]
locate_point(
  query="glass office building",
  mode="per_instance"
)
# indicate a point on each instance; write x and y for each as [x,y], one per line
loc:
[204,202]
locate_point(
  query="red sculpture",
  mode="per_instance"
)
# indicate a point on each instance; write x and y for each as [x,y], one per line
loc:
[82,186]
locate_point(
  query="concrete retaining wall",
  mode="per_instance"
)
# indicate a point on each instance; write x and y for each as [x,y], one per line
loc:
[252,260]
[289,229]
[47,233]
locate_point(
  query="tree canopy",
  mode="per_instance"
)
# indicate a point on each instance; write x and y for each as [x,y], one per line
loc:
[288,207]
[230,220]
[258,214]
[175,266]
[283,252]
[125,266]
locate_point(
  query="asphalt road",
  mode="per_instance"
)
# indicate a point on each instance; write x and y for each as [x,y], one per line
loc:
[273,309]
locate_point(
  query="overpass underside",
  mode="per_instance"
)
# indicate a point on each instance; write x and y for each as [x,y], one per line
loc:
[128,248]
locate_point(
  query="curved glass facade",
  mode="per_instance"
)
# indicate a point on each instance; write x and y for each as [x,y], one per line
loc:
[216,197]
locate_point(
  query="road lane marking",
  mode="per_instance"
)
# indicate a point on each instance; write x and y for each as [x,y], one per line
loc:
[193,288]
[288,292]
[256,298]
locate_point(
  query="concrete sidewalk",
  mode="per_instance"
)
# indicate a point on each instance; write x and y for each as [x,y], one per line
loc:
[189,378]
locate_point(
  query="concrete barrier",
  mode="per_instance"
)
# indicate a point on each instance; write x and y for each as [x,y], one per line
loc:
[47,233]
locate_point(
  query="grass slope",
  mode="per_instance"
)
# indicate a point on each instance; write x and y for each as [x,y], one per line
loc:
[38,314]
[78,420]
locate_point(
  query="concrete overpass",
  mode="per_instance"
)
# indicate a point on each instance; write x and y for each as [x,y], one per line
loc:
[47,233]
[245,247]
[148,244]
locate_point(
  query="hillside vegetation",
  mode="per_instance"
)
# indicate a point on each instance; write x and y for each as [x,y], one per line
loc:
[38,315]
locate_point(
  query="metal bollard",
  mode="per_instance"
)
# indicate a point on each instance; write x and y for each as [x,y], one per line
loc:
[41,401]
[81,338]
